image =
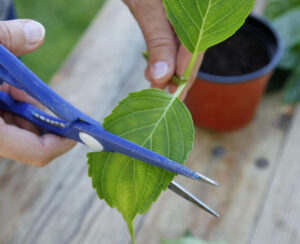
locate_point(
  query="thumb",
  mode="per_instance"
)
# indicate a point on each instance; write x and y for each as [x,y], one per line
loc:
[160,41]
[21,36]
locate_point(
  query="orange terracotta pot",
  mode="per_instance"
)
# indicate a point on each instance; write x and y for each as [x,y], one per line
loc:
[225,107]
[228,103]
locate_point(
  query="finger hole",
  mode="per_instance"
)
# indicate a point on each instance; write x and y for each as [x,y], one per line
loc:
[26,125]
[23,97]
[8,118]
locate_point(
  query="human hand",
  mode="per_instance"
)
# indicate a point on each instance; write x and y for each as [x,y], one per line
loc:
[19,139]
[166,55]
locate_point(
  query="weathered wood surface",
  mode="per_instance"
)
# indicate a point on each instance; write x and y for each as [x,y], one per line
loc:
[57,204]
[279,219]
[243,184]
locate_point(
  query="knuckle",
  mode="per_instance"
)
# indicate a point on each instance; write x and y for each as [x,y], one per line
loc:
[5,36]
[159,42]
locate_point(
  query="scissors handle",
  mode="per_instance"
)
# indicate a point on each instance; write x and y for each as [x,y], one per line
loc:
[45,122]
[14,72]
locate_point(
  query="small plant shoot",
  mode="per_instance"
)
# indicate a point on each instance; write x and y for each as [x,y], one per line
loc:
[157,120]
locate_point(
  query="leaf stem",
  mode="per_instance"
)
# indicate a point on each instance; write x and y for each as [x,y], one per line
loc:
[180,89]
[189,69]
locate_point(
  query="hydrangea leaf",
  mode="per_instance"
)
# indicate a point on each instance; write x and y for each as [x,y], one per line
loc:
[155,120]
[292,88]
[288,27]
[200,24]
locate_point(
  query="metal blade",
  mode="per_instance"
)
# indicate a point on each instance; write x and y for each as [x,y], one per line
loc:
[179,190]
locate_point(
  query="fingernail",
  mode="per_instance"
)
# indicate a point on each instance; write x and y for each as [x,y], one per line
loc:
[33,31]
[159,69]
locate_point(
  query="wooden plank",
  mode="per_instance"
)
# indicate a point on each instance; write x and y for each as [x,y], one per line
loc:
[280,214]
[242,183]
[56,204]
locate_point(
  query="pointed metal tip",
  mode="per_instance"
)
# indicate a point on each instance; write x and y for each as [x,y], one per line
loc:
[207,180]
[215,214]
[205,207]
[178,189]
[209,210]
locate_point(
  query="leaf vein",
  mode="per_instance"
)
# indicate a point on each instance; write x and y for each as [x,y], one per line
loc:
[133,113]
[136,129]
[202,27]
[188,14]
[223,17]
[160,119]
[181,133]
[221,29]
[145,182]
[102,178]
[189,39]
[214,3]
[199,9]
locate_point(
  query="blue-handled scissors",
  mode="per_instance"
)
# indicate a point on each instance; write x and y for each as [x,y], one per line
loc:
[72,123]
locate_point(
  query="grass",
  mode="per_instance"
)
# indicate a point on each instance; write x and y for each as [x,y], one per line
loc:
[64,21]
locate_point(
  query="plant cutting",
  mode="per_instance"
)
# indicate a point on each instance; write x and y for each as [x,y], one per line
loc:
[157,120]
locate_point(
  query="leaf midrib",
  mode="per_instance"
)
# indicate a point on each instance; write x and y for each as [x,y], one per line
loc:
[202,28]
[160,119]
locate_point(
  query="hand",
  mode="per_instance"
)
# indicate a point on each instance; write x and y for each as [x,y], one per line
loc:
[19,139]
[166,55]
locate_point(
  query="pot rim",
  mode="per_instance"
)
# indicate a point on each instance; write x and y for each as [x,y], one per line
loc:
[253,75]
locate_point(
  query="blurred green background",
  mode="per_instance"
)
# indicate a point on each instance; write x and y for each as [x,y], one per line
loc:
[284,15]
[65,21]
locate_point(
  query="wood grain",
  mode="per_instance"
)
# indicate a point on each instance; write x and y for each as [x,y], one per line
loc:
[279,217]
[242,183]
[56,204]
[258,197]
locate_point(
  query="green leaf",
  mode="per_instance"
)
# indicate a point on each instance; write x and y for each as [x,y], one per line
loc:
[155,120]
[288,27]
[275,8]
[200,24]
[190,240]
[292,88]
[290,58]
